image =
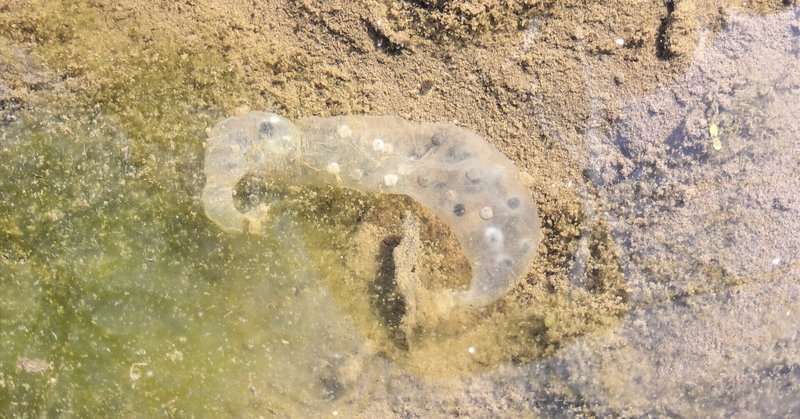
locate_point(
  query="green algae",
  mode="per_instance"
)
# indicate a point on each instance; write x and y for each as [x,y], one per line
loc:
[137,303]
[111,275]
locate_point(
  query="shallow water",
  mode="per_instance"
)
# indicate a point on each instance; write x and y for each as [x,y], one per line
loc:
[131,302]
[699,173]
[119,296]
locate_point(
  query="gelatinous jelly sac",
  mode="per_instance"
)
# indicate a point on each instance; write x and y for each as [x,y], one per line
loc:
[452,171]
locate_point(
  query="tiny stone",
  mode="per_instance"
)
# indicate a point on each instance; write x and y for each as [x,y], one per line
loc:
[486,213]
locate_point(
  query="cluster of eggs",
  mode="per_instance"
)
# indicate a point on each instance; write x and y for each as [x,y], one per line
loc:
[452,171]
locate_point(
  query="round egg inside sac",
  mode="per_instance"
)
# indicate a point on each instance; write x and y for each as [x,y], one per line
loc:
[494,237]
[504,261]
[445,168]
[333,168]
[390,179]
[356,174]
[486,213]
